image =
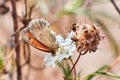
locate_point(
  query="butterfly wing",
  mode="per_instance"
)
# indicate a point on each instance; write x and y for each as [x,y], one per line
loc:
[41,31]
[29,38]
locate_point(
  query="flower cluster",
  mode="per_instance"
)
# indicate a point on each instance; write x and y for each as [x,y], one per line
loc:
[87,37]
[64,51]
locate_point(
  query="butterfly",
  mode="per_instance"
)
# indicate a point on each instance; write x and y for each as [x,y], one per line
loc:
[38,34]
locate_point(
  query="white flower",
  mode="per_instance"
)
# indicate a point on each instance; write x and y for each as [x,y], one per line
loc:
[64,51]
[49,60]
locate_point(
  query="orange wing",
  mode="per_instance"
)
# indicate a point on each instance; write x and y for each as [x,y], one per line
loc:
[29,38]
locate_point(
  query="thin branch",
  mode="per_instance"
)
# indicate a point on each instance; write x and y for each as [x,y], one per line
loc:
[17,50]
[14,14]
[116,7]
[25,8]
[30,12]
[73,66]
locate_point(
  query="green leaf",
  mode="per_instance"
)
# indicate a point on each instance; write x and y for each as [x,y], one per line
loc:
[100,71]
[103,68]
[109,74]
[90,76]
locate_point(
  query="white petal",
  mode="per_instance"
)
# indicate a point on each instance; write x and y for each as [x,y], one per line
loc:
[60,57]
[70,35]
[49,60]
[59,38]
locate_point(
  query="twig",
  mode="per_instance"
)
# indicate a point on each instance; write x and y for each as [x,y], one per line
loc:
[116,7]
[73,66]
[27,47]
[30,12]
[25,8]
[17,50]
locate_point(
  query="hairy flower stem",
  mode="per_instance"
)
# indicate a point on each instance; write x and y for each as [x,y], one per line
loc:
[73,66]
